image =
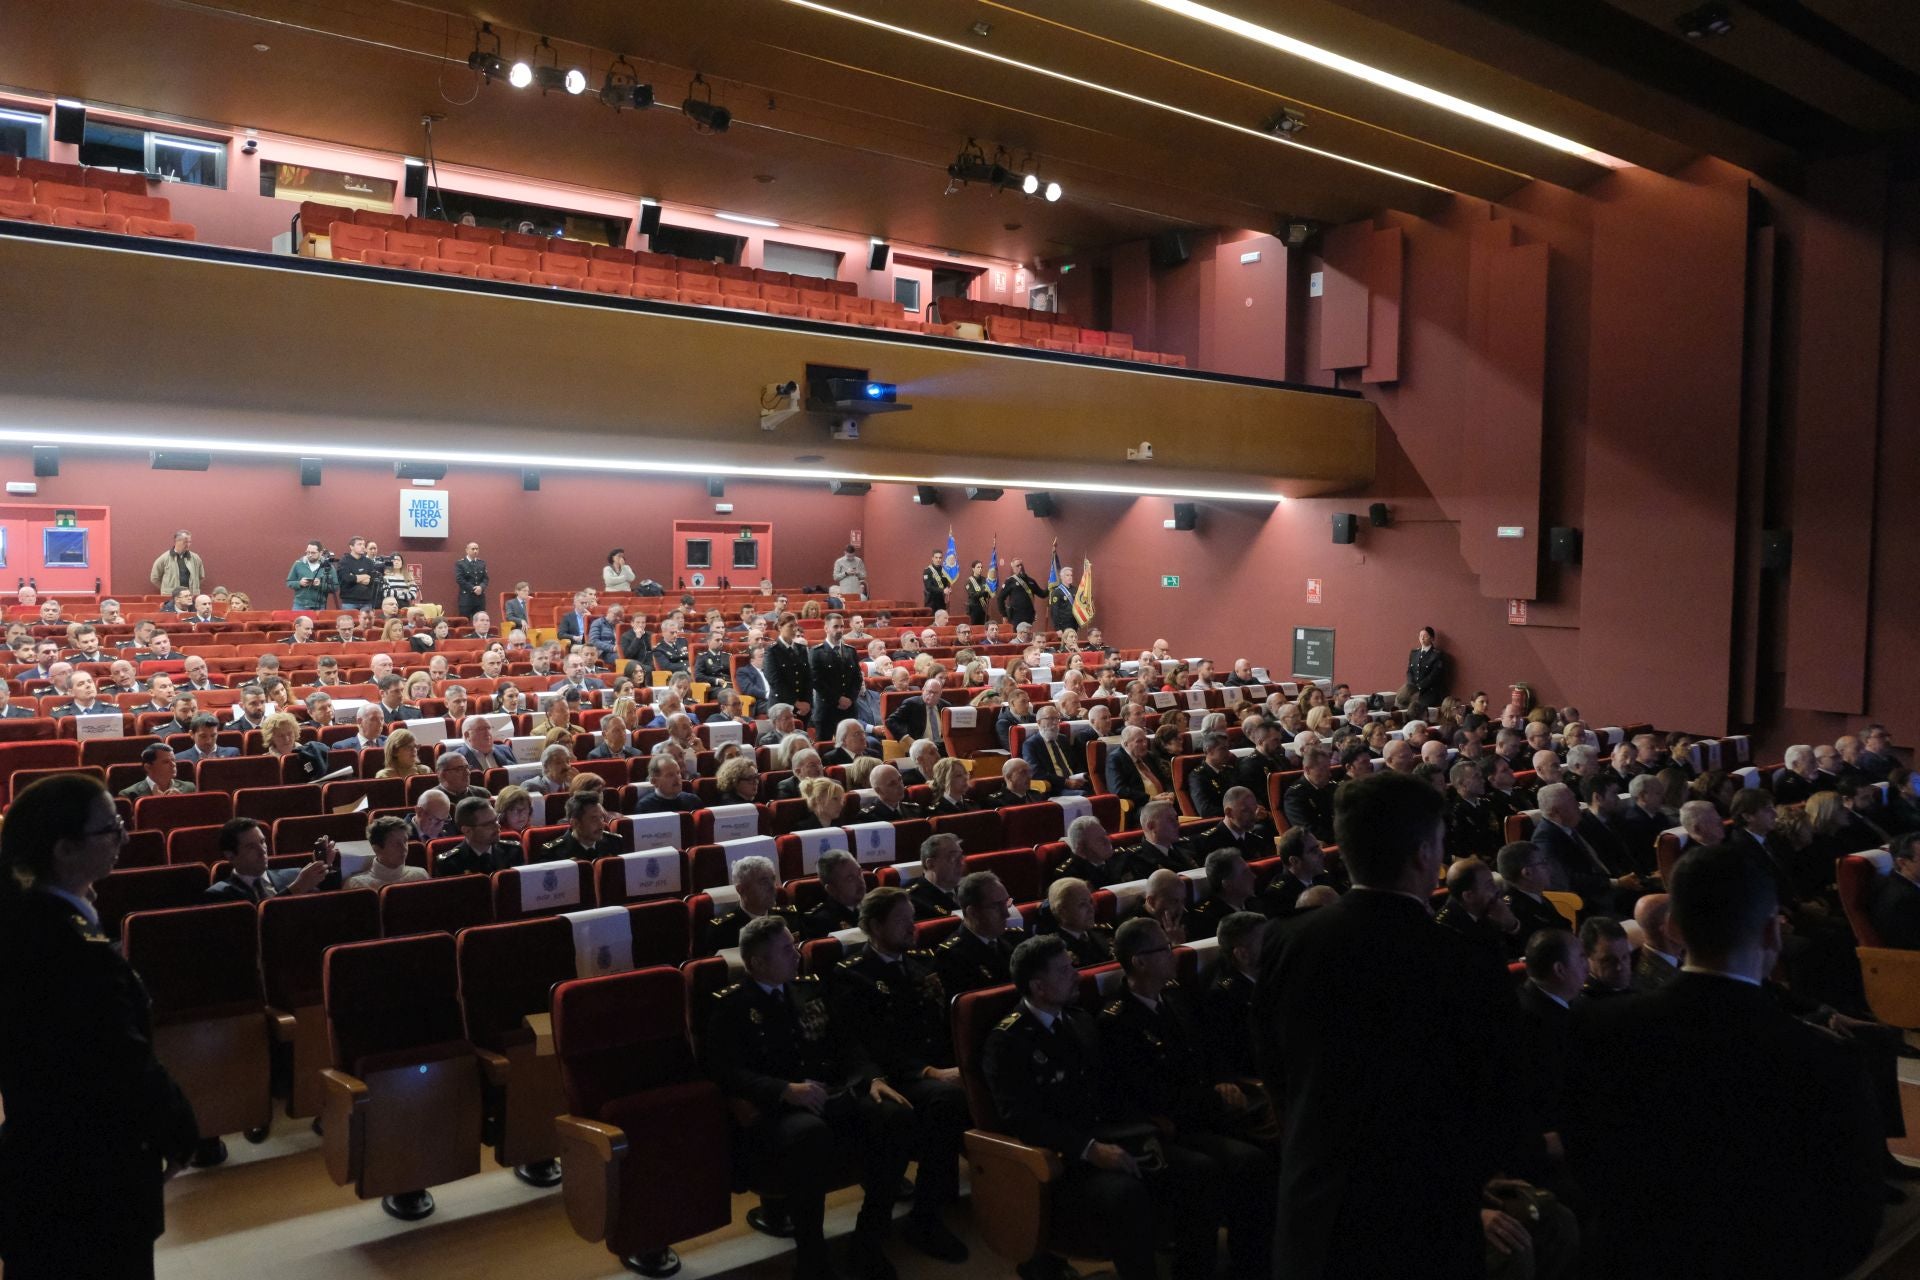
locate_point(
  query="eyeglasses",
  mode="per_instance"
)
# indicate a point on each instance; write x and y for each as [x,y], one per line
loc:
[119,828]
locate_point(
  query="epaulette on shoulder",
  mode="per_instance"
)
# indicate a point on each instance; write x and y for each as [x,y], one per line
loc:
[1114,1008]
[807,980]
[1012,1020]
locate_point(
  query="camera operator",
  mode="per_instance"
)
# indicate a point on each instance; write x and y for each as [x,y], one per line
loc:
[312,579]
[359,576]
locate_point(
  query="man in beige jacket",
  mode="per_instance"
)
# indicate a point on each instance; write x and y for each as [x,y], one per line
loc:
[179,566]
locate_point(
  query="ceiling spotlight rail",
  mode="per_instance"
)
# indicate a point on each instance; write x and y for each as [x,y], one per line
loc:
[972,166]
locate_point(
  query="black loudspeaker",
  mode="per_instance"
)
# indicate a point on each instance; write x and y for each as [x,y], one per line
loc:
[1185,515]
[1169,249]
[1041,504]
[46,460]
[877,257]
[716,488]
[416,182]
[530,482]
[69,123]
[848,488]
[978,494]
[1776,549]
[170,460]
[420,470]
[1344,523]
[1379,516]
[926,495]
[1563,545]
[309,472]
[649,219]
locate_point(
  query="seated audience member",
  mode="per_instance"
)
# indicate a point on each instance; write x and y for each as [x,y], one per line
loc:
[1661,951]
[1308,803]
[1226,1005]
[1475,825]
[515,805]
[301,762]
[826,801]
[557,714]
[1165,901]
[1556,970]
[1160,844]
[919,764]
[1525,869]
[842,885]
[1238,828]
[669,792]
[942,865]
[1609,958]
[1758,1110]
[158,760]
[388,837]
[1090,856]
[976,955]
[481,851]
[372,732]
[243,843]
[1070,917]
[1016,785]
[431,817]
[614,743]
[1134,773]
[890,803]
[206,734]
[1208,781]
[804,765]
[587,836]
[1017,710]
[456,777]
[478,746]
[952,782]
[1477,909]
[1896,900]
[1574,865]
[758,885]
[402,756]
[1229,889]
[737,781]
[681,743]
[850,742]
[1303,864]
[1050,754]
[557,771]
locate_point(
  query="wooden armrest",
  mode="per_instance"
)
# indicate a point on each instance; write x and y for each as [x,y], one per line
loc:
[1892,980]
[282,1024]
[1012,1200]
[592,1154]
[493,1066]
[1037,1162]
[541,1024]
[343,1124]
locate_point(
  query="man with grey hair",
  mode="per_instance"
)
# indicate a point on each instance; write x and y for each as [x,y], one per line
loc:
[1799,778]
[1573,864]
[841,886]
[1702,824]
[780,722]
[1399,756]
[1640,822]
[1434,752]
[889,803]
[1237,829]
[1583,762]
[1090,855]
[1048,751]
[850,742]
[1354,719]
[976,955]
[921,757]
[1016,785]
[757,883]
[935,893]
[477,745]
[456,777]
[1546,767]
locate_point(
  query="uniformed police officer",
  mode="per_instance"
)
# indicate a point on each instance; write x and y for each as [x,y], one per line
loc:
[1208,781]
[1426,671]
[1226,1006]
[1157,1070]
[978,594]
[889,1001]
[1043,1069]
[805,1102]
[1070,908]
[758,885]
[1018,593]
[587,836]
[837,681]
[976,955]
[934,581]
[942,865]
[1091,857]
[842,885]
[1060,602]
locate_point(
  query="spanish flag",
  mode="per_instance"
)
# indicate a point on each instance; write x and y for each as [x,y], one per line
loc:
[1083,595]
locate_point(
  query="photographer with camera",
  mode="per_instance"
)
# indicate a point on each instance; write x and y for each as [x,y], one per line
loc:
[312,579]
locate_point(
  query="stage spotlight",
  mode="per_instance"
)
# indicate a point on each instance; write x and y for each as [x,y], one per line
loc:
[1053,192]
[576,81]
[926,495]
[487,62]
[521,76]
[706,117]
[1030,185]
[623,88]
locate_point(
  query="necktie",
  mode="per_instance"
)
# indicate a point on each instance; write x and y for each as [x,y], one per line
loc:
[933,724]
[1059,761]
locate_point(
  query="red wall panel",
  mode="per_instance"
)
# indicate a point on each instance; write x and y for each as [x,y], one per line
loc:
[1507,417]
[1250,308]
[1386,256]
[1343,300]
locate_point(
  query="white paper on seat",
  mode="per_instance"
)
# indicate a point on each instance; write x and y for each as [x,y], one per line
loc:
[815,843]
[1055,689]
[748,847]
[1749,777]
[526,750]
[736,968]
[1193,737]
[1289,688]
[427,731]
[1167,665]
[735,822]
[1041,662]
[1072,807]
[1396,735]
[1206,951]
[355,857]
[1164,699]
[1125,894]
[963,717]
[655,830]
[908,872]
[347,710]
[1109,982]
[1197,887]
[1260,674]
[1614,735]
[500,722]
[549,884]
[721,732]
[1258,692]
[1882,860]
[850,940]
[1243,752]
[871,843]
[1232,695]
[1074,728]
[725,898]
[101,724]
[523,771]
[542,697]
[602,941]
[1130,668]
[653,870]
[994,675]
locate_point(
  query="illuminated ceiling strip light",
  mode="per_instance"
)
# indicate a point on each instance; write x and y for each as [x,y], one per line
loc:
[1109,90]
[1383,79]
[631,466]
[741,217]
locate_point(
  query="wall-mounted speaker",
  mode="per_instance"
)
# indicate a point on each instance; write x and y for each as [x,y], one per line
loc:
[1563,545]
[977,494]
[1185,515]
[69,123]
[46,460]
[926,495]
[649,219]
[420,470]
[309,472]
[1344,524]
[877,257]
[1776,549]
[416,182]
[1379,516]
[529,482]
[1169,249]
[170,460]
[1041,504]
[716,488]
[848,488]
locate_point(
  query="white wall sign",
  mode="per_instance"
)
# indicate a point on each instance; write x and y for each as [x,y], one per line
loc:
[424,513]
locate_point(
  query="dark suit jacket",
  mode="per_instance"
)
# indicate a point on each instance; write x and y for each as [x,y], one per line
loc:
[1761,1159]
[1577,871]
[1438,1007]
[1004,722]
[1306,805]
[1034,751]
[1639,831]
[573,626]
[1896,913]
[1207,788]
[1533,917]
[789,673]
[909,720]
[1123,778]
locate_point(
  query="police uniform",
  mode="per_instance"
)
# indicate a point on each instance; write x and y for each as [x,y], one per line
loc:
[1097,875]
[1045,1082]
[1088,949]
[669,655]
[608,845]
[1203,918]
[1017,596]
[978,593]
[1252,845]
[463,859]
[758,1042]
[91,1114]
[1305,805]
[828,918]
[895,1012]
[933,587]
[1475,828]
[1207,788]
[723,931]
[1146,858]
[1226,1017]
[968,962]
[1156,1069]
[930,901]
[1533,915]
[836,675]
[878,811]
[789,672]
[1060,607]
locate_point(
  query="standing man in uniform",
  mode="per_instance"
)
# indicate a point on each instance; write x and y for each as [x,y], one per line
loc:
[934,582]
[836,679]
[978,593]
[1426,671]
[790,669]
[470,577]
[1019,595]
[1060,602]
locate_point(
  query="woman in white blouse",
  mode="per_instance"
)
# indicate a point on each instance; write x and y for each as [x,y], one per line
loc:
[618,575]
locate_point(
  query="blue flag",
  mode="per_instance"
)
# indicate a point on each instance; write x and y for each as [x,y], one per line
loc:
[1053,570]
[952,562]
[993,566]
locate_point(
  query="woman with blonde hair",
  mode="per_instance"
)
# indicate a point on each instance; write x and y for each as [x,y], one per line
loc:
[394,632]
[419,688]
[402,758]
[737,781]
[811,609]
[860,771]
[1321,720]
[825,799]
[951,781]
[280,733]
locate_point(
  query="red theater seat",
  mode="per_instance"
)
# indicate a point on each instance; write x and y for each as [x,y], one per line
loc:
[16,190]
[555,280]
[376,220]
[161,230]
[511,275]
[613,288]
[521,240]
[432,228]
[316,218]
[446,905]
[352,238]
[72,175]
[412,243]
[564,264]
[121,893]
[612,254]
[387,258]
[449,267]
[156,208]
[618,272]
[453,249]
[112,180]
[477,235]
[17,211]
[295,932]
[86,219]
[516,257]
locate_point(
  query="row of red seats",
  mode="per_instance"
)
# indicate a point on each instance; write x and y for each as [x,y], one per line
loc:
[64,205]
[72,175]
[974,311]
[1049,331]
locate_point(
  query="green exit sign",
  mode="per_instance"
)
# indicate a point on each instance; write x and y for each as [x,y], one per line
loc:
[1169,579]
